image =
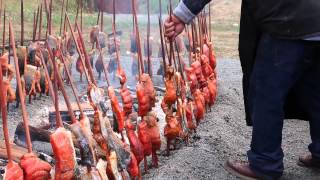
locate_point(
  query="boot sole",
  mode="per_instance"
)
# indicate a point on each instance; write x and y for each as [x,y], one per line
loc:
[301,164]
[235,173]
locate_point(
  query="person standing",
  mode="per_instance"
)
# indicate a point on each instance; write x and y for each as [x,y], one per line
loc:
[279,48]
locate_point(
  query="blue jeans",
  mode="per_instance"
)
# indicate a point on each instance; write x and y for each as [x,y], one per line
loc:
[280,66]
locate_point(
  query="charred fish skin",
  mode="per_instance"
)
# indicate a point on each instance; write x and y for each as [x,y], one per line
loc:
[114,143]
[85,152]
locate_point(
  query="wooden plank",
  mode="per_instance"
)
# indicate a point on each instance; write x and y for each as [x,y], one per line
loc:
[17,151]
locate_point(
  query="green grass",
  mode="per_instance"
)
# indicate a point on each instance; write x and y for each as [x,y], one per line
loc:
[123,23]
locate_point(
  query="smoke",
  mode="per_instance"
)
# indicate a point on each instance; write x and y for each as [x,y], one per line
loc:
[122,6]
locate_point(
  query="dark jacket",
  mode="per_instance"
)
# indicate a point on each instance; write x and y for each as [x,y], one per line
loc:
[292,19]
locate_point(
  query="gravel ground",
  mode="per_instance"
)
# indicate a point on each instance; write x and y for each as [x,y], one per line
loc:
[222,135]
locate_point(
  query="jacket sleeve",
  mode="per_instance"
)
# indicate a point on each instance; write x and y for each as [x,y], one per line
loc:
[188,9]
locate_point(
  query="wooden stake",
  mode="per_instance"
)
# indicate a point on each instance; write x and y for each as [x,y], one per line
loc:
[148,40]
[190,40]
[61,18]
[21,95]
[61,85]
[141,68]
[48,17]
[81,13]
[200,33]
[72,86]
[59,122]
[4,31]
[86,57]
[98,17]
[171,40]
[179,62]
[102,11]
[104,66]
[77,47]
[40,23]
[37,19]
[1,10]
[50,26]
[77,14]
[114,33]
[210,22]
[162,46]
[22,22]
[34,26]
[65,18]
[160,9]
[51,91]
[194,45]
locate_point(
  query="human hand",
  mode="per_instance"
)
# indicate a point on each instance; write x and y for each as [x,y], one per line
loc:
[173,27]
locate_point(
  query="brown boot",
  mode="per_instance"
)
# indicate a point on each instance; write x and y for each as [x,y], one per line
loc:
[241,170]
[308,161]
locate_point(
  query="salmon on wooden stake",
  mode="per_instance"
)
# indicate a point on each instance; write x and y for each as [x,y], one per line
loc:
[33,167]
[12,171]
[61,139]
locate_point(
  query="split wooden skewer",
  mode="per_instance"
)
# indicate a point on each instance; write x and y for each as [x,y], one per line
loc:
[21,95]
